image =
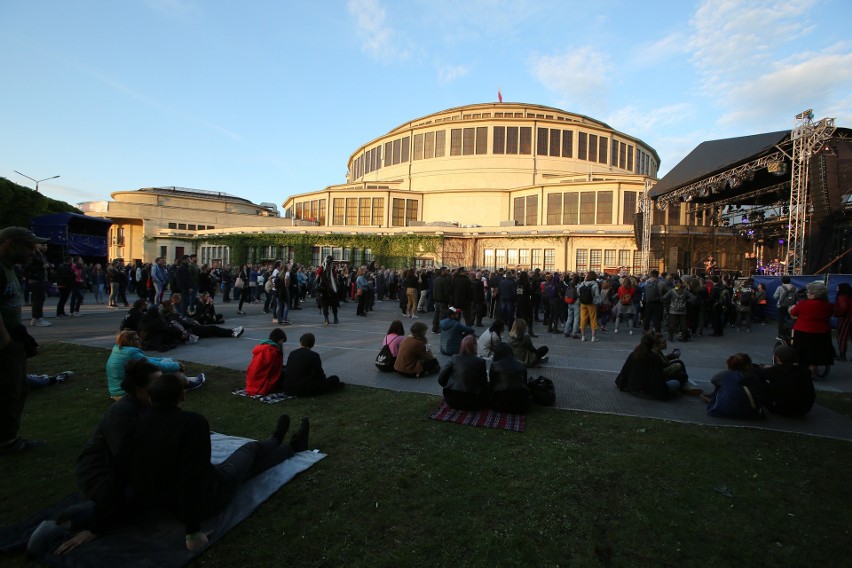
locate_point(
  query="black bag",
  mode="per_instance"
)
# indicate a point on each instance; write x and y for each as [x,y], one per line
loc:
[542,391]
[587,294]
[384,360]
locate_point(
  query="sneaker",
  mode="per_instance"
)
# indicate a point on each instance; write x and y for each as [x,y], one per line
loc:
[274,320]
[64,376]
[285,322]
[543,359]
[583,338]
[193,339]
[76,314]
[594,339]
[41,322]
[238,331]
[615,330]
[240,313]
[193,383]
[631,332]
[33,321]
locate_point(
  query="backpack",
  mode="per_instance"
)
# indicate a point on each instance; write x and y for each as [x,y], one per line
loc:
[789,297]
[542,391]
[724,297]
[626,299]
[746,296]
[678,303]
[652,291]
[384,360]
[587,295]
[570,294]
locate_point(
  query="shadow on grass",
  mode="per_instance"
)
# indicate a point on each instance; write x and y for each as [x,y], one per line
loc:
[398,489]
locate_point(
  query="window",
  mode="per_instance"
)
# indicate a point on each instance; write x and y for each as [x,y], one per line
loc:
[593,148]
[519,211]
[595,260]
[191,227]
[501,258]
[674,213]
[378,211]
[536,258]
[570,209]
[312,215]
[440,143]
[299,213]
[549,259]
[555,137]
[526,140]
[637,262]
[351,211]
[468,141]
[609,258]
[630,158]
[602,150]
[429,145]
[398,214]
[587,207]
[624,259]
[418,146]
[512,257]
[406,144]
[321,212]
[567,143]
[615,161]
[512,140]
[488,259]
[554,209]
[119,236]
[524,258]
[181,226]
[455,142]
[582,146]
[604,216]
[410,211]
[172,226]
[164,251]
[377,157]
[532,210]
[364,211]
[397,149]
[543,138]
[622,155]
[582,260]
[482,140]
[499,140]
[388,153]
[629,207]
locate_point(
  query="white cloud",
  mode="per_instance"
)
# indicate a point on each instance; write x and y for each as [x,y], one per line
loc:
[656,52]
[449,73]
[578,76]
[378,40]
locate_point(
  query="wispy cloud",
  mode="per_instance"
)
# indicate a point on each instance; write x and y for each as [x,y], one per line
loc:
[449,73]
[578,76]
[379,40]
[655,53]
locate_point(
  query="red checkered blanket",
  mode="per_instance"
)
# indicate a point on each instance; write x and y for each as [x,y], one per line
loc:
[486,418]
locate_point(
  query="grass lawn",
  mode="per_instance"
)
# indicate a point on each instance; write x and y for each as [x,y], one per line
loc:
[397,489]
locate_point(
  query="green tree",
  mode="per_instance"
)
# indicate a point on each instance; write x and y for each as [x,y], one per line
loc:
[19,204]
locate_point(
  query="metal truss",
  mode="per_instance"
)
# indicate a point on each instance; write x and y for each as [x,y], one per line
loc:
[646,206]
[808,139]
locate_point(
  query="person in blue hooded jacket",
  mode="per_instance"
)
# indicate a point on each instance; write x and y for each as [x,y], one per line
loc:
[452,331]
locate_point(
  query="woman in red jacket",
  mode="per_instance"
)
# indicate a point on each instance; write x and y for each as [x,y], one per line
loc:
[264,373]
[812,327]
[843,313]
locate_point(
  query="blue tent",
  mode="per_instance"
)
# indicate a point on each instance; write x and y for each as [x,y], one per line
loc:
[77,234]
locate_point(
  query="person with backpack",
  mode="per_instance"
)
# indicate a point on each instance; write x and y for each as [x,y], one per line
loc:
[744,301]
[548,293]
[785,298]
[626,308]
[589,297]
[653,315]
[572,307]
[678,298]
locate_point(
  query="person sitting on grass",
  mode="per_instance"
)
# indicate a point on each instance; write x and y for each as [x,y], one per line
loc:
[303,375]
[789,387]
[169,461]
[490,338]
[205,311]
[651,373]
[414,358]
[127,348]
[464,378]
[158,334]
[172,313]
[739,391]
[265,373]
[394,337]
[134,315]
[452,331]
[522,346]
[508,382]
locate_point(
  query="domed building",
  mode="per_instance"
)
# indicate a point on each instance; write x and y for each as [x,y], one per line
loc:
[503,184]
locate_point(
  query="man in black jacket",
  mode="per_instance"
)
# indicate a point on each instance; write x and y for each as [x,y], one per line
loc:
[441,293]
[303,375]
[65,282]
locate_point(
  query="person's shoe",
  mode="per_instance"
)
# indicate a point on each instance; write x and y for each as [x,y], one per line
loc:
[33,321]
[336,320]
[193,383]
[274,320]
[41,322]
[281,428]
[583,338]
[594,339]
[20,445]
[841,357]
[543,359]
[193,339]
[284,322]
[76,314]
[238,331]
[603,328]
[325,321]
[631,332]
[299,440]
[692,390]
[64,376]
[240,313]
[615,330]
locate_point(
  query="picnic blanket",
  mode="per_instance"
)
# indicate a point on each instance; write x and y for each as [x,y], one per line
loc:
[485,418]
[273,398]
[157,542]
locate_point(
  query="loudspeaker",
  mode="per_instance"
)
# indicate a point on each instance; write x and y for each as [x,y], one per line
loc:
[638,224]
[824,183]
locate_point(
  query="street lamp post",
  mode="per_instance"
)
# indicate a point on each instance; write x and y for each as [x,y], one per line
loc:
[37,181]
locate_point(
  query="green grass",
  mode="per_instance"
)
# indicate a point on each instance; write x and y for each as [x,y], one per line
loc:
[396,489]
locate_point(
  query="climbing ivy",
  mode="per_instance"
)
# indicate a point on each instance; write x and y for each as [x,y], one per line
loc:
[395,251]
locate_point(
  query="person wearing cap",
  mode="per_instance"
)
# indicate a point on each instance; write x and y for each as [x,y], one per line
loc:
[16,245]
[452,331]
[790,387]
[36,274]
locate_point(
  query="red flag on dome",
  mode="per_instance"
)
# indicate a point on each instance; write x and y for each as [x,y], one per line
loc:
[499,95]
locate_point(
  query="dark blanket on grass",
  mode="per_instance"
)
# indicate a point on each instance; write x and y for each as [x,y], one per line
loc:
[160,543]
[486,418]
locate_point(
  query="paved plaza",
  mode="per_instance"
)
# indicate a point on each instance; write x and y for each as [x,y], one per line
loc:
[583,373]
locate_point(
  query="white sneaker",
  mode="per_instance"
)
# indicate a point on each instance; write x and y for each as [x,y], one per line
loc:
[238,331]
[615,330]
[631,332]
[583,338]
[76,314]
[193,339]
[42,323]
[594,339]
[64,376]
[33,321]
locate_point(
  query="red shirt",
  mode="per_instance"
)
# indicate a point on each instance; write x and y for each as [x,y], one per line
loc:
[812,316]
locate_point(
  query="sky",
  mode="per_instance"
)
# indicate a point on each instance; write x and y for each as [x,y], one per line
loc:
[265,99]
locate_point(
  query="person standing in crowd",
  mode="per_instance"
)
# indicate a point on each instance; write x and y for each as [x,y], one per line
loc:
[441,293]
[523,301]
[98,279]
[183,279]
[507,290]
[626,310]
[654,290]
[785,298]
[160,278]
[16,245]
[327,289]
[477,305]
[812,327]
[36,275]
[678,298]
[77,289]
[589,297]
[65,282]
[843,313]
[113,276]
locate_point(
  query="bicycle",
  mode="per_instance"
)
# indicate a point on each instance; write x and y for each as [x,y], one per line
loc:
[821,371]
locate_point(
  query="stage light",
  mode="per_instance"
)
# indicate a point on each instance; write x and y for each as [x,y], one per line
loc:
[745,219]
[780,241]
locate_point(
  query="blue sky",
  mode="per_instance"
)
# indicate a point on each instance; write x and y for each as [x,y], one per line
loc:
[265,99]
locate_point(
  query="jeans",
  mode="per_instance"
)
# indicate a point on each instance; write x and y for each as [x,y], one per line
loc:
[572,319]
[283,308]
